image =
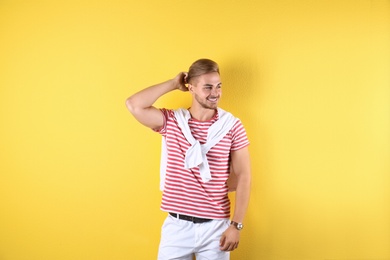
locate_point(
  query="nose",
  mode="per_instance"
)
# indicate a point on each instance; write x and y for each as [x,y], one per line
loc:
[214,92]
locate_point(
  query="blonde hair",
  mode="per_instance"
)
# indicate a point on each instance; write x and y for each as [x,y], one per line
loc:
[200,67]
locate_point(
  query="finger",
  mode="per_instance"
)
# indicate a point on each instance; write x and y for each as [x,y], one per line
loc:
[222,241]
[229,247]
[225,246]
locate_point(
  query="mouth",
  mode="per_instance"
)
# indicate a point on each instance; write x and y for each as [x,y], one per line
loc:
[213,99]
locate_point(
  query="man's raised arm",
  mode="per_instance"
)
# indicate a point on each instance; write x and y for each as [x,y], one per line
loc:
[141,103]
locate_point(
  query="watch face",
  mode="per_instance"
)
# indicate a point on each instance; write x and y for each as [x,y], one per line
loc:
[239,226]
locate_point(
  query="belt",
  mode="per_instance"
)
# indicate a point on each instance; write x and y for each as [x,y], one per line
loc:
[194,220]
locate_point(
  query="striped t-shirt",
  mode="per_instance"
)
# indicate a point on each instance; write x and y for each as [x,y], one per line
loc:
[184,191]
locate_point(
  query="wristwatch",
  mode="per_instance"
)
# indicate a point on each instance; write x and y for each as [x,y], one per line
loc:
[239,226]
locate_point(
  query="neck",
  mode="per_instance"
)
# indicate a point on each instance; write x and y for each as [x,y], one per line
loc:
[202,114]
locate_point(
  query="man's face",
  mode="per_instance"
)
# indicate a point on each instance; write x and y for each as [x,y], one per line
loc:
[207,90]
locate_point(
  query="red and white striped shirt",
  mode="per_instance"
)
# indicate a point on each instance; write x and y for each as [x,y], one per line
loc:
[184,191]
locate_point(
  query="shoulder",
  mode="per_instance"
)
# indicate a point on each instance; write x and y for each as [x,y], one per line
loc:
[238,126]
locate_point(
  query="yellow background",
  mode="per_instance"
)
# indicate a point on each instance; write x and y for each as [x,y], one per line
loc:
[310,80]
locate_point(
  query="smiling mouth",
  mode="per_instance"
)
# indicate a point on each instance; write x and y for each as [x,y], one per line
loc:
[212,99]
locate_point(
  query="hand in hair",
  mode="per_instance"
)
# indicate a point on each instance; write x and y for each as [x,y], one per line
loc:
[181,81]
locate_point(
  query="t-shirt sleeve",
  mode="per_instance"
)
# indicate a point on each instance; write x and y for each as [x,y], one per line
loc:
[239,136]
[166,116]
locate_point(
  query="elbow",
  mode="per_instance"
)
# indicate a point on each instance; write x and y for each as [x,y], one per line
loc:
[248,180]
[130,104]
[245,179]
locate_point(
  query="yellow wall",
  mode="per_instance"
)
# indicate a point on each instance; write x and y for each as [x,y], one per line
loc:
[309,79]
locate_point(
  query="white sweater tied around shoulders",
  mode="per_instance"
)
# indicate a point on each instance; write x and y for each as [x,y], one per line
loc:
[196,154]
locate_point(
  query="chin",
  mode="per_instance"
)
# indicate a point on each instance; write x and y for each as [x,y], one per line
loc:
[211,107]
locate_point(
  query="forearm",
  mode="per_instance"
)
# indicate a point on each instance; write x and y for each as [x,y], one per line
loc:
[148,96]
[230,238]
[242,196]
[141,103]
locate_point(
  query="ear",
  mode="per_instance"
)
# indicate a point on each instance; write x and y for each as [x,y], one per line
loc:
[190,88]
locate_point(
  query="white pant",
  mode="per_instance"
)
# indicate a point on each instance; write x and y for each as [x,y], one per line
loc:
[181,239]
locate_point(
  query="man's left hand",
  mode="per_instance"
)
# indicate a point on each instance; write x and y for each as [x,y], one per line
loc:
[230,238]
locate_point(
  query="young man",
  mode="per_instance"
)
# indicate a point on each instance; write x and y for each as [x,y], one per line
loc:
[202,146]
